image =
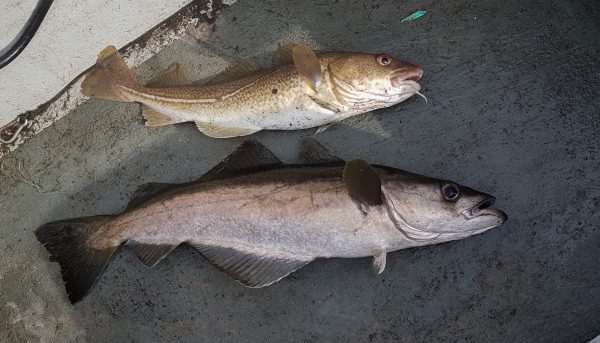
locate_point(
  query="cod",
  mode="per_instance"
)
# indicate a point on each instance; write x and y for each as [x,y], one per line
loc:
[302,90]
[259,220]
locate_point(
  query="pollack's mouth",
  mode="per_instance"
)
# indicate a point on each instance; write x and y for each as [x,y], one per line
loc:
[483,208]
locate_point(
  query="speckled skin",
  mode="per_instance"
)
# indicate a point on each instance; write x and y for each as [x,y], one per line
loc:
[299,212]
[279,99]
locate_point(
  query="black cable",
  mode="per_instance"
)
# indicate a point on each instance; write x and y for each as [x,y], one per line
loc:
[14,48]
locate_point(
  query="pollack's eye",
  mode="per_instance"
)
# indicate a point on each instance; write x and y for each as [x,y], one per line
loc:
[384,59]
[450,192]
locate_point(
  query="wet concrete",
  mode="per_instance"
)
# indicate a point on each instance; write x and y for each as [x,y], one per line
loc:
[513,94]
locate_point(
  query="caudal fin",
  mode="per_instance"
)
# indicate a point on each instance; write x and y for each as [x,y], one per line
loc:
[80,265]
[109,73]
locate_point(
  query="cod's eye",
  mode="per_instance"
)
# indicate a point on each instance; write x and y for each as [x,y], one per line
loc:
[450,192]
[384,59]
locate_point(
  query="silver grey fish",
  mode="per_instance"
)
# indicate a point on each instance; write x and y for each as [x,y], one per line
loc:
[258,220]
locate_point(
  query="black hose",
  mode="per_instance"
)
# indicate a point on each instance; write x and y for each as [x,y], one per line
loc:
[14,48]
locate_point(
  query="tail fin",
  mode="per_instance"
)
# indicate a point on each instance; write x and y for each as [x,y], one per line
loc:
[80,265]
[109,73]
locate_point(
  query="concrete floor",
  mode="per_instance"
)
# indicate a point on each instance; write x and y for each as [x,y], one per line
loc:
[513,94]
[66,44]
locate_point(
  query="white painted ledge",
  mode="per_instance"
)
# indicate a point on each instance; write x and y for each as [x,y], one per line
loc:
[67,43]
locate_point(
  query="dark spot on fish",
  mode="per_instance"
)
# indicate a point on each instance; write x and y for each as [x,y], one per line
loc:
[274,91]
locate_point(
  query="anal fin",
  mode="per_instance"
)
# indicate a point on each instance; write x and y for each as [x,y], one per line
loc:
[151,254]
[155,118]
[251,269]
[220,131]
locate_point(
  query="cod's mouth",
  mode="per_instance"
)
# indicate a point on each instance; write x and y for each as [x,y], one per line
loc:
[407,78]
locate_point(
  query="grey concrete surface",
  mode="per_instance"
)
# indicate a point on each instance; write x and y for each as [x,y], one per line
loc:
[513,92]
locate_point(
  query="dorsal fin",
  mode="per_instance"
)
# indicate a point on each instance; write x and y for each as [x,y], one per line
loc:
[109,50]
[236,70]
[251,154]
[172,76]
[363,183]
[312,151]
[283,55]
[148,191]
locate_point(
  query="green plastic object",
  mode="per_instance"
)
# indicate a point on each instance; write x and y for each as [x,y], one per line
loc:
[416,15]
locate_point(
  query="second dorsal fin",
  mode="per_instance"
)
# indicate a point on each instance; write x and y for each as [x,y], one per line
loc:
[235,71]
[148,191]
[172,76]
[251,154]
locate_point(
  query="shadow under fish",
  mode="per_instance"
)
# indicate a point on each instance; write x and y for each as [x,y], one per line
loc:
[258,219]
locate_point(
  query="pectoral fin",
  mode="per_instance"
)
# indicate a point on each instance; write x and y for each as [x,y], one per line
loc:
[253,269]
[283,55]
[379,257]
[363,183]
[308,65]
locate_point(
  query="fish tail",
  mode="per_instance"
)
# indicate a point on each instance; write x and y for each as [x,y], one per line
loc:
[107,77]
[80,264]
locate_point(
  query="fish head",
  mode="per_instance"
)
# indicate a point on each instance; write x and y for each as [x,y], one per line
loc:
[370,81]
[434,210]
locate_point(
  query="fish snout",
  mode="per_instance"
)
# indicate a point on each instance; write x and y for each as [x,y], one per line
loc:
[408,75]
[484,208]
[415,75]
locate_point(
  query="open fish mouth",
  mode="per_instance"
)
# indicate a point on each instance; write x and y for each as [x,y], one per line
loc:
[484,208]
[408,86]
[405,78]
